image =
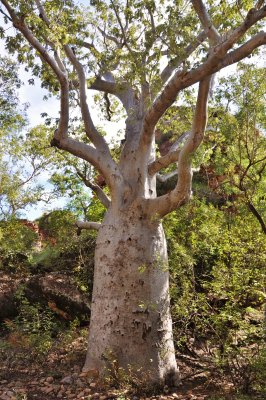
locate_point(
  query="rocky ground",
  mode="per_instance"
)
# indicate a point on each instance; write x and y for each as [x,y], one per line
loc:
[26,375]
[58,375]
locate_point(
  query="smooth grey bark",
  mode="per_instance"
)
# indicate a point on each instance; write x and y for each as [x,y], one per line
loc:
[130,313]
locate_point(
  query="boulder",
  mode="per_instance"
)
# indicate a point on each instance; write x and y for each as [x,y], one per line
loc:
[58,291]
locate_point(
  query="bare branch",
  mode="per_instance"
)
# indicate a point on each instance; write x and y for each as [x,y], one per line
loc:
[256,213]
[122,29]
[104,199]
[87,153]
[87,225]
[181,194]
[5,15]
[164,178]
[169,158]
[206,22]
[107,86]
[242,51]
[174,64]
[109,37]
[91,131]
[252,17]
[217,60]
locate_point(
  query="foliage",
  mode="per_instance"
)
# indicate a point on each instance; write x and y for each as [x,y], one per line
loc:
[217,254]
[16,243]
[11,112]
[237,161]
[24,158]
[35,326]
[217,260]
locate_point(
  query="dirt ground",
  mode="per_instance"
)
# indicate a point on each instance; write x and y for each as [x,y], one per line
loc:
[58,375]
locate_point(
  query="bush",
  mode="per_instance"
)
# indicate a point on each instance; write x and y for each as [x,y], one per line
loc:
[217,262]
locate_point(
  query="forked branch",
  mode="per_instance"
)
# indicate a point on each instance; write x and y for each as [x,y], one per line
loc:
[100,157]
[218,59]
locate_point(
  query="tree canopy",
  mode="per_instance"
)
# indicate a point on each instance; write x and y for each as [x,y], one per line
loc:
[145,55]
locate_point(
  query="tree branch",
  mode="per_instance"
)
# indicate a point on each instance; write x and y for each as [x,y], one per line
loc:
[174,64]
[87,225]
[109,37]
[169,158]
[122,29]
[206,22]
[217,60]
[85,152]
[180,195]
[164,178]
[61,139]
[90,129]
[122,91]
[257,215]
[104,199]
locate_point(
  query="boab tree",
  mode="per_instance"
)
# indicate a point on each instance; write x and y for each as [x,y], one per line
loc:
[144,54]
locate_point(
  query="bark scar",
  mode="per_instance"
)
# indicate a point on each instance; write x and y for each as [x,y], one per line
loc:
[146,329]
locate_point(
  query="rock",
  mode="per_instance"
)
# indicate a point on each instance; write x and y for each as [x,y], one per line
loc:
[4,397]
[83,375]
[8,287]
[60,292]
[48,390]
[21,391]
[80,384]
[57,290]
[50,379]
[68,380]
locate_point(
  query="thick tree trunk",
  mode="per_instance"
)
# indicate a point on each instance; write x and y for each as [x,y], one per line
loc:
[131,326]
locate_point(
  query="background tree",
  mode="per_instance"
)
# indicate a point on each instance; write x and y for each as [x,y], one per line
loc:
[240,157]
[24,158]
[144,54]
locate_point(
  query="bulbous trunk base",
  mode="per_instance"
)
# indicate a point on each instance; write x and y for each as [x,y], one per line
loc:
[131,326]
